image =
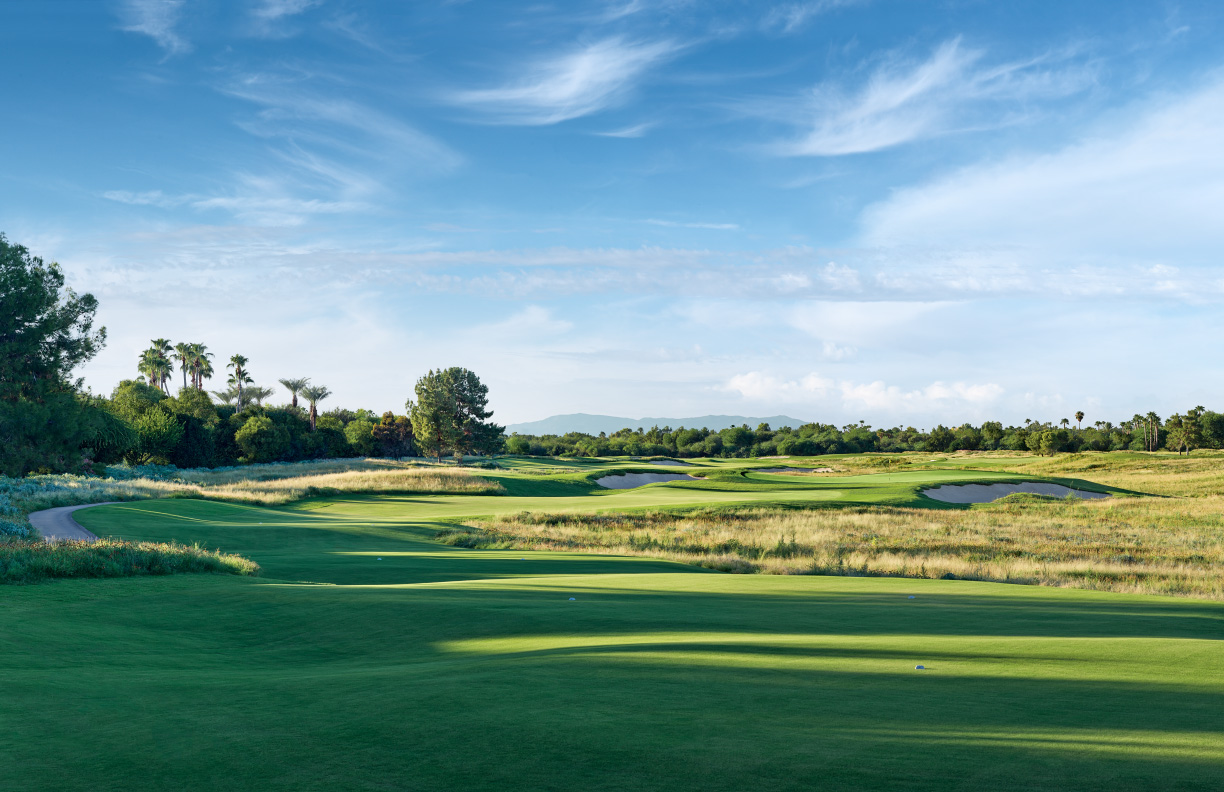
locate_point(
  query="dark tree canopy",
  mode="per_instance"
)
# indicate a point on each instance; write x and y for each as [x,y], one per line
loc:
[46,330]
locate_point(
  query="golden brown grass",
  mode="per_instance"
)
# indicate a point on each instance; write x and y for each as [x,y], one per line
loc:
[1147,545]
[263,485]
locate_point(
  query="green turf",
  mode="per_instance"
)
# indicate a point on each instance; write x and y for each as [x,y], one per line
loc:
[443,668]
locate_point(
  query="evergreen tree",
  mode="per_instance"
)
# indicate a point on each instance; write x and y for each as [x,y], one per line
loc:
[46,331]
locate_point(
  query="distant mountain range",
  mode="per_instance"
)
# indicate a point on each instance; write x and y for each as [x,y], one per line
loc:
[594,424]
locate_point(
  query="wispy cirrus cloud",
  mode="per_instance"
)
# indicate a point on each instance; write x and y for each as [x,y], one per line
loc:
[269,17]
[344,124]
[791,17]
[156,19]
[952,90]
[571,85]
[276,9]
[635,131]
[708,226]
[255,205]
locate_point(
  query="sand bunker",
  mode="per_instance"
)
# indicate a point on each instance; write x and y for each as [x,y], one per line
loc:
[631,480]
[985,493]
[669,462]
[792,470]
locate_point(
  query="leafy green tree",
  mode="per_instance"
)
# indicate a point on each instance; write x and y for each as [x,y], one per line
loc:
[194,403]
[159,434]
[393,434]
[360,436]
[992,434]
[261,440]
[433,415]
[1212,424]
[132,398]
[941,438]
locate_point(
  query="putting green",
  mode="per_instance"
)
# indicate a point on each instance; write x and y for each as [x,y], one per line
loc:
[369,657]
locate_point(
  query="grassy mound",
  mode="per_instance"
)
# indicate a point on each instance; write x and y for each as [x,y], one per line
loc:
[31,562]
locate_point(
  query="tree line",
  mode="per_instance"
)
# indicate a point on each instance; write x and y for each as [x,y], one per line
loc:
[50,423]
[1182,432]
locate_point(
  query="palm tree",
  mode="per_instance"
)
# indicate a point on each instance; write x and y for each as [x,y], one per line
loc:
[1154,422]
[1079,419]
[240,376]
[295,386]
[226,397]
[164,350]
[1065,423]
[257,394]
[314,394]
[182,353]
[204,368]
[199,364]
[154,365]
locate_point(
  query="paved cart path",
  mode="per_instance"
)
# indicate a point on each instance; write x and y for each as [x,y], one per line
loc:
[57,525]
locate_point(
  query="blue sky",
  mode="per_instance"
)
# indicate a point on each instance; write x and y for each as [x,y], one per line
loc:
[900,212]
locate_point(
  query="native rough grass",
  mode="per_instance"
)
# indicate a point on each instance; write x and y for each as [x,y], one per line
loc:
[257,485]
[1147,545]
[32,562]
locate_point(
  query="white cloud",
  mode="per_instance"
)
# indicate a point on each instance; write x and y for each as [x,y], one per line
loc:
[572,85]
[149,198]
[877,396]
[276,9]
[791,17]
[156,19]
[635,131]
[1141,193]
[903,102]
[533,322]
[340,123]
[877,323]
[710,226]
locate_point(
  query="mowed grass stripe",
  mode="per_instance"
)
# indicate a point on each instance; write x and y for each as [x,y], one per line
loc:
[439,668]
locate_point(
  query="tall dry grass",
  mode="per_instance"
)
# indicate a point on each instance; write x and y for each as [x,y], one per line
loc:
[33,562]
[261,485]
[1148,545]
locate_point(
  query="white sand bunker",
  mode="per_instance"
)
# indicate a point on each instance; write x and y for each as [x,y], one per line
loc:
[985,493]
[792,470]
[669,462]
[631,480]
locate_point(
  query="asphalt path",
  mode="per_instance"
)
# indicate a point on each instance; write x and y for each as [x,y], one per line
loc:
[57,525]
